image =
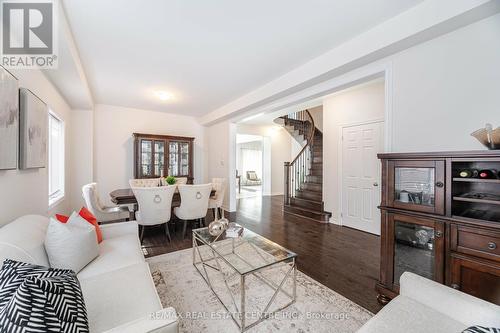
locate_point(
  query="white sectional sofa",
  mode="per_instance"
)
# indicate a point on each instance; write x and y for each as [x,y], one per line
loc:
[117,286]
[425,306]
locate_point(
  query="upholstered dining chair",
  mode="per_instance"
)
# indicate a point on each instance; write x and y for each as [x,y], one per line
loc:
[181,181]
[178,181]
[194,204]
[147,182]
[215,203]
[102,213]
[155,207]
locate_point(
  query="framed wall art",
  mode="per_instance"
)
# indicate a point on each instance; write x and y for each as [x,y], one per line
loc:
[9,120]
[33,122]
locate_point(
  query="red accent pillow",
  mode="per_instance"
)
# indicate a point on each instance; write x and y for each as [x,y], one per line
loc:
[62,218]
[87,215]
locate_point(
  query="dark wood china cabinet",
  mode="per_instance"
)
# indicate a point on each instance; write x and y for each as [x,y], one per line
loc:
[163,155]
[441,220]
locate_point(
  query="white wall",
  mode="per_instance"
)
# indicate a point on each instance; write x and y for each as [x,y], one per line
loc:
[26,191]
[82,146]
[280,151]
[359,104]
[113,142]
[447,88]
[221,158]
[317,114]
[442,90]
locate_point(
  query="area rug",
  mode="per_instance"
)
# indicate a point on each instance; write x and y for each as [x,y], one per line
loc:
[317,308]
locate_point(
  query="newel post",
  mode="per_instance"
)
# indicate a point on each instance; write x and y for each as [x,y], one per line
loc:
[287,183]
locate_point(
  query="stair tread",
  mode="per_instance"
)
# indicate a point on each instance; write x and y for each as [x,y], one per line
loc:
[311,190]
[309,201]
[309,210]
[318,216]
[312,183]
[315,182]
[309,194]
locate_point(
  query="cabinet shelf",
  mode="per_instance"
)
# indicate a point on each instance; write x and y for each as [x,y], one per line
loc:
[476,180]
[478,200]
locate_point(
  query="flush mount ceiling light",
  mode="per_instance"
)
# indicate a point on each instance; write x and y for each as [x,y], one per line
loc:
[163,95]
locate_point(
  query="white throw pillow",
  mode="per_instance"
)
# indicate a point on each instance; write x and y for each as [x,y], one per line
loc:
[71,245]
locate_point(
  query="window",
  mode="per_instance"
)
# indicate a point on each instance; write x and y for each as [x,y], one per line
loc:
[56,159]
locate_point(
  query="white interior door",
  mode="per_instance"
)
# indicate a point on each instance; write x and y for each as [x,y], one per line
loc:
[361,176]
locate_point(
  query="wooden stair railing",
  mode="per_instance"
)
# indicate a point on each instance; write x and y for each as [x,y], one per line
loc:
[297,170]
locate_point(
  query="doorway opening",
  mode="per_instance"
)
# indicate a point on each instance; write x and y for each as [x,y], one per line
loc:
[250,176]
[333,123]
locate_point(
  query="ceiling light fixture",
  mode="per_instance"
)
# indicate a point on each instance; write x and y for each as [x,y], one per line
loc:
[163,95]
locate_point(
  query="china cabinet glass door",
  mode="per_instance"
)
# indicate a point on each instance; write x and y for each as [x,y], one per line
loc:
[417,185]
[179,158]
[418,247]
[159,159]
[184,158]
[146,158]
[173,160]
[152,153]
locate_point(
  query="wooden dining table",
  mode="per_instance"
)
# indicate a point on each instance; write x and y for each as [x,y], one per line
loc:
[125,196]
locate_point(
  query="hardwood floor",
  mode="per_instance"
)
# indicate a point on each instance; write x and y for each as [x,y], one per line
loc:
[343,259]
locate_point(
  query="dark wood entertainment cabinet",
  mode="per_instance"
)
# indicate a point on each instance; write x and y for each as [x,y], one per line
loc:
[438,224]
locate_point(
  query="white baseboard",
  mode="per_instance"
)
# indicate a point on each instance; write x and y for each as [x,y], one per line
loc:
[333,221]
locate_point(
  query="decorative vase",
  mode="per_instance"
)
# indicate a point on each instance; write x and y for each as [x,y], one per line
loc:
[217,227]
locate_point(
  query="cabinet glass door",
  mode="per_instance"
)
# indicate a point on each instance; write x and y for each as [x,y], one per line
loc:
[173,159]
[179,158]
[146,158]
[184,158]
[414,185]
[418,247]
[418,185]
[413,250]
[159,153]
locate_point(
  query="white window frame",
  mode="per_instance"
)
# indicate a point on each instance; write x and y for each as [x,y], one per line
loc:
[57,196]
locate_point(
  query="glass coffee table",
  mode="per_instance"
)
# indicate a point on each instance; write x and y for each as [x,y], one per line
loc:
[252,277]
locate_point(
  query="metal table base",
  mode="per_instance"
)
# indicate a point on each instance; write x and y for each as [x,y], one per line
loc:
[213,262]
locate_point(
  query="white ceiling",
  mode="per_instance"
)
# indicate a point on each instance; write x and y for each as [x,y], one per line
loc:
[207,53]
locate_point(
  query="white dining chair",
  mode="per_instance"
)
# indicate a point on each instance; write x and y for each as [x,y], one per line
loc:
[155,207]
[181,181]
[102,213]
[146,182]
[215,203]
[178,181]
[194,204]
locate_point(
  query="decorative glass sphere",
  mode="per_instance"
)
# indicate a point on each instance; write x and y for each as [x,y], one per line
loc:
[224,222]
[216,228]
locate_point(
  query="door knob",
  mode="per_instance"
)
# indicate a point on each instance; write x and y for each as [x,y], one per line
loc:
[492,246]
[375,184]
[439,184]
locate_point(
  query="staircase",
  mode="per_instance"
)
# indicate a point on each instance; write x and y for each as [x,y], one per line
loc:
[304,175]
